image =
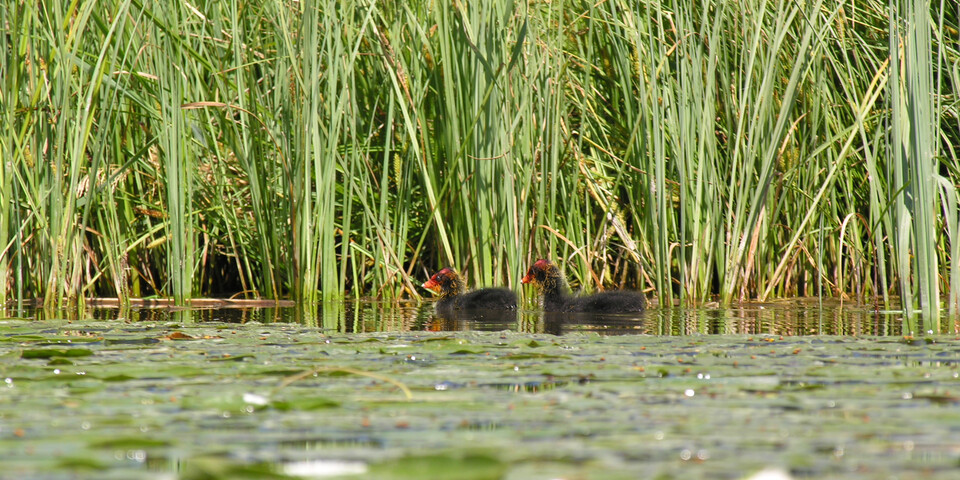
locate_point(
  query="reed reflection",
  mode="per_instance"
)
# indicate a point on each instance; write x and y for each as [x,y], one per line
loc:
[788,318]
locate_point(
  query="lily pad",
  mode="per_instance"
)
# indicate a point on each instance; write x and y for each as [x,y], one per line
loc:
[440,466]
[304,403]
[218,468]
[55,352]
[130,443]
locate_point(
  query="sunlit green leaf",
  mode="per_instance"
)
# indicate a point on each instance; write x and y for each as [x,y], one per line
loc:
[56,352]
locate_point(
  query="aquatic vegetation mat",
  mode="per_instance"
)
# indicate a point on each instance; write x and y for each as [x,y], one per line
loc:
[180,400]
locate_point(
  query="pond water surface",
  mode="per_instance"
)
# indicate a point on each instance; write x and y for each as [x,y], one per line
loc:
[787,317]
[376,390]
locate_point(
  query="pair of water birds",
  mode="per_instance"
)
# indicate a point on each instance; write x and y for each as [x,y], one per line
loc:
[554,294]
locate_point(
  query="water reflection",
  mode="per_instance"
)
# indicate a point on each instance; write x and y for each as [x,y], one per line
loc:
[491,321]
[789,317]
[783,318]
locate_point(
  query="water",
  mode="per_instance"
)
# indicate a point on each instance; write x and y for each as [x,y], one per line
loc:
[376,390]
[787,317]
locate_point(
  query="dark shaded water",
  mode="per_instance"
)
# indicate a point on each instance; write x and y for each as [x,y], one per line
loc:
[787,317]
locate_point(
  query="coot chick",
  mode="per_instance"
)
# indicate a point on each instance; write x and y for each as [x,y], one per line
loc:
[557,298]
[453,296]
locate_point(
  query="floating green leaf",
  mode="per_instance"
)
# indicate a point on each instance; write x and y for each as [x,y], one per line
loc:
[130,443]
[55,352]
[212,468]
[304,403]
[440,466]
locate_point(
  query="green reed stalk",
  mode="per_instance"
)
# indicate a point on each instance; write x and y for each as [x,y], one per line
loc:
[71,182]
[12,75]
[828,182]
[178,159]
[596,167]
[389,216]
[102,217]
[914,151]
[762,129]
[312,161]
[56,208]
[946,48]
[475,135]
[950,49]
[699,194]
[250,155]
[662,200]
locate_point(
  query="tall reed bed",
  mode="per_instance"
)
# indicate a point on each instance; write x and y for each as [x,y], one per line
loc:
[317,149]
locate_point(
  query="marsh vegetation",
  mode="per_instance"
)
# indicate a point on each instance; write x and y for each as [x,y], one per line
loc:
[320,149]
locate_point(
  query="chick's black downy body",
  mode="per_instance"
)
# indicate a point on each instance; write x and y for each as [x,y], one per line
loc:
[453,296]
[556,297]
